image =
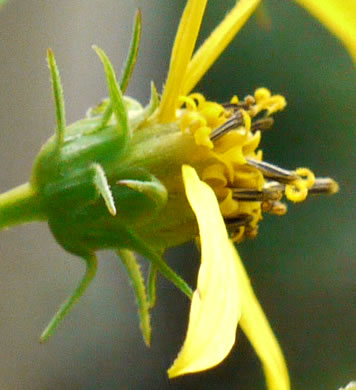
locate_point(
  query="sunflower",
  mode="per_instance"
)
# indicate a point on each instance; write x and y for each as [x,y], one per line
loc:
[143,179]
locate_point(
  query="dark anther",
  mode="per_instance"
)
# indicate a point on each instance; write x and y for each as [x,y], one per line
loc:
[245,104]
[274,207]
[251,195]
[273,171]
[251,232]
[231,106]
[244,194]
[324,185]
[249,100]
[233,123]
[262,124]
[234,223]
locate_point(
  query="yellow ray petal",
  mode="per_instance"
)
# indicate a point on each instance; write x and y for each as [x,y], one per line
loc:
[350,386]
[182,51]
[211,49]
[339,16]
[216,302]
[256,327]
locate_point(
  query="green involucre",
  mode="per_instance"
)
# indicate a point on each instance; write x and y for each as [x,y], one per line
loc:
[98,185]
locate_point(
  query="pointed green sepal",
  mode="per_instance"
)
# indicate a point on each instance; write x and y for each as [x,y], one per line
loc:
[156,259]
[151,285]
[171,275]
[58,98]
[142,115]
[153,189]
[99,109]
[133,52]
[116,98]
[128,67]
[133,269]
[103,188]
[154,100]
[91,264]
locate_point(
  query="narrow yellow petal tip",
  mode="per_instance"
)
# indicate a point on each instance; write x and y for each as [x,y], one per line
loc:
[182,51]
[216,304]
[338,16]
[350,386]
[216,43]
[257,329]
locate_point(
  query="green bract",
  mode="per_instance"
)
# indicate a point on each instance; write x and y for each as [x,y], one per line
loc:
[97,184]
[86,181]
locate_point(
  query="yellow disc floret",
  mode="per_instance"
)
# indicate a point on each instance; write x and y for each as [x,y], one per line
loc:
[244,184]
[200,117]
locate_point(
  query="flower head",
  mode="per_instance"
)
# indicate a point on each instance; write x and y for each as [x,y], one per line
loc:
[244,187]
[143,179]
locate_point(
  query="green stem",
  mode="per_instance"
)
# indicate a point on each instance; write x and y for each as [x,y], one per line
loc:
[20,205]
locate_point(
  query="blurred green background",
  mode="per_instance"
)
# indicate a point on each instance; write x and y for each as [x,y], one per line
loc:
[302,265]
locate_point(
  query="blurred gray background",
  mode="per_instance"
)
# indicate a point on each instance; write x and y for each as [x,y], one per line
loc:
[302,265]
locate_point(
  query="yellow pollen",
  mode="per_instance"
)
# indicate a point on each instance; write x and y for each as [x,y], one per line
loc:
[246,119]
[189,102]
[234,99]
[298,190]
[266,101]
[308,174]
[231,138]
[239,235]
[262,94]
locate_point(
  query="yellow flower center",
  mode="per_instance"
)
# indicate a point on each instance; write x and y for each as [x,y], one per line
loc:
[244,184]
